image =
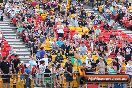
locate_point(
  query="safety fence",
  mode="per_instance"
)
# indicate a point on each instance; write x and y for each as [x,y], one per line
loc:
[48,80]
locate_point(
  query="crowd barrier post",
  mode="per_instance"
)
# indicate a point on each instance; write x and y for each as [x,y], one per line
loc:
[22,83]
[1,83]
[18,82]
[11,82]
[32,83]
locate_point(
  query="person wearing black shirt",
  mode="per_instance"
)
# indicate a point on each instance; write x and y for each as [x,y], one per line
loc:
[80,22]
[92,17]
[91,31]
[15,63]
[48,72]
[66,22]
[113,36]
[127,52]
[5,68]
[59,58]
[29,26]
[85,36]
[83,14]
[84,23]
[69,76]
[72,9]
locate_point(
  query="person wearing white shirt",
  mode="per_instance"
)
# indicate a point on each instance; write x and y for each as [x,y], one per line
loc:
[77,36]
[120,57]
[124,9]
[12,13]
[60,30]
[89,61]
[40,73]
[46,60]
[32,62]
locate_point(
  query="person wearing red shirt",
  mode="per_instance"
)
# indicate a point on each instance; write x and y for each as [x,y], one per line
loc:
[22,67]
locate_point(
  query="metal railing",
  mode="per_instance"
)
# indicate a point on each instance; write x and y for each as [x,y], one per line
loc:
[42,80]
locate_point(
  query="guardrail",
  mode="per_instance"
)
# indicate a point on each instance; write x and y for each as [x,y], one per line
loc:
[50,80]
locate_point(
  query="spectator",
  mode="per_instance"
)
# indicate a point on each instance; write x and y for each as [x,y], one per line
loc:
[27,70]
[59,58]
[128,52]
[27,75]
[59,42]
[46,60]
[89,61]
[48,72]
[101,66]
[22,67]
[111,69]
[68,74]
[16,62]
[97,31]
[77,36]
[60,30]
[83,49]
[32,62]
[78,62]
[5,68]
[41,53]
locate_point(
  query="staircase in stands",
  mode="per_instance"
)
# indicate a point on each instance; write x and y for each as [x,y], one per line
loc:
[18,45]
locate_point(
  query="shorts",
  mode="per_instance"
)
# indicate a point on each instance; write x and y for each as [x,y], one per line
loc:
[63,13]
[60,34]
[6,78]
[69,78]
[39,76]
[130,77]
[127,58]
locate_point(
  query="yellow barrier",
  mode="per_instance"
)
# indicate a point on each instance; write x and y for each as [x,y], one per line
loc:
[11,82]
[1,83]
[18,83]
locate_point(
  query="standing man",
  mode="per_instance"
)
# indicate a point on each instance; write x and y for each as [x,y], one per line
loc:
[16,62]
[5,68]
[69,76]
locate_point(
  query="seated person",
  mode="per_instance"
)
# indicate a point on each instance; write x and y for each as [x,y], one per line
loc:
[59,42]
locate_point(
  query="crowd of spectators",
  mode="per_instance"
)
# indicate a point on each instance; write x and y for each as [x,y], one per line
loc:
[63,37]
[120,13]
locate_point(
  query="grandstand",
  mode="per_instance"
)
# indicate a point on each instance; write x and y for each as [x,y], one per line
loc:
[66,44]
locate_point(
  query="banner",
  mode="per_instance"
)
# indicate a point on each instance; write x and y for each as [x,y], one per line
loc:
[107,78]
[96,78]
